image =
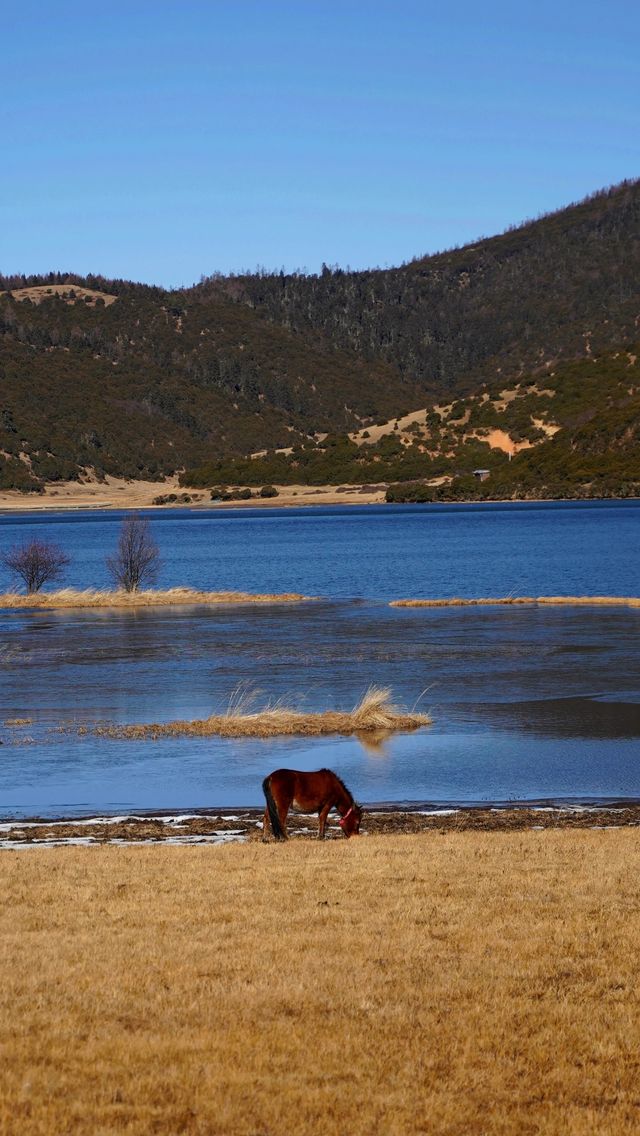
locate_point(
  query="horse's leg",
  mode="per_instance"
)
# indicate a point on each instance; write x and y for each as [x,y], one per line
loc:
[283,812]
[278,801]
[322,818]
[265,825]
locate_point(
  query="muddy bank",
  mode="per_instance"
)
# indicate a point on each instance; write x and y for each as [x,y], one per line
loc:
[221,827]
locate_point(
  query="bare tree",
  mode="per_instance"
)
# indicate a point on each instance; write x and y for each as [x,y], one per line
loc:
[36,562]
[136,560]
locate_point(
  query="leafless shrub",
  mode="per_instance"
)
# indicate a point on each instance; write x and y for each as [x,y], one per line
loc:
[137,559]
[35,562]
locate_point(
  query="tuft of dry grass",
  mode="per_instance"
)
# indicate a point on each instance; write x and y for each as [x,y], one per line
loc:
[613,601]
[375,713]
[93,597]
[444,984]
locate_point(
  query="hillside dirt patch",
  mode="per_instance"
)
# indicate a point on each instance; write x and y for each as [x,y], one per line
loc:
[375,433]
[499,440]
[548,428]
[71,293]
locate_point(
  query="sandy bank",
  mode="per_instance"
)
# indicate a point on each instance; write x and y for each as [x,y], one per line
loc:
[116,493]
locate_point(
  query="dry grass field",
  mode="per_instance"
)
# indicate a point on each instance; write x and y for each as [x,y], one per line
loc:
[95,597]
[119,493]
[465,982]
[71,293]
[569,601]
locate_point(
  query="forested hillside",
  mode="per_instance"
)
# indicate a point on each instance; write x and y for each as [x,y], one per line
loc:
[150,382]
[110,377]
[576,434]
[556,287]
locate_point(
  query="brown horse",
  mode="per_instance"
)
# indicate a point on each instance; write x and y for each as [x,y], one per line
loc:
[310,792]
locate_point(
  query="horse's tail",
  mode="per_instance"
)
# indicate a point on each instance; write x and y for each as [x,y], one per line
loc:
[276,827]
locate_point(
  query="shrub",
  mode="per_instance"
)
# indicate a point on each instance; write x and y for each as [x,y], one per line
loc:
[36,562]
[136,560]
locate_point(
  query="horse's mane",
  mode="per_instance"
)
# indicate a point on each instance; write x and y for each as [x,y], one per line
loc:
[341,782]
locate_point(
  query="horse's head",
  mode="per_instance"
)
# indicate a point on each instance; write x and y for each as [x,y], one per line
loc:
[350,822]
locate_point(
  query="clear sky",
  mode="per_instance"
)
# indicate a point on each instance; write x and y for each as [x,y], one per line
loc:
[160,140]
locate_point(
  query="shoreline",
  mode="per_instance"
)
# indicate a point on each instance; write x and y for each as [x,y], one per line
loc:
[244,825]
[118,493]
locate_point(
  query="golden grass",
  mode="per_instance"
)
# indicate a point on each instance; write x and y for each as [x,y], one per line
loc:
[606,601]
[93,597]
[456,984]
[375,713]
[41,292]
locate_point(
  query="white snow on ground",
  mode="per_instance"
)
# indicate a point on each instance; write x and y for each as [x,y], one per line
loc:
[90,841]
[124,819]
[432,812]
[14,845]
[224,836]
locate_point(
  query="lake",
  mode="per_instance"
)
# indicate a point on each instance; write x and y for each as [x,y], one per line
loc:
[529,704]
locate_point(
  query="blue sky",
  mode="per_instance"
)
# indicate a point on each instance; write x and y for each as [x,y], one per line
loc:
[160,141]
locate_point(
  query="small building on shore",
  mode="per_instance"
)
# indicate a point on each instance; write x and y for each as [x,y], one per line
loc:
[482,474]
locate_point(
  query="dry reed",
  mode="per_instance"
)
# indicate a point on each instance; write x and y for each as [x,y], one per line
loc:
[375,713]
[93,597]
[596,601]
[445,984]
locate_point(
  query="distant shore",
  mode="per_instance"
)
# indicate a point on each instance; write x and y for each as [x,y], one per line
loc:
[117,493]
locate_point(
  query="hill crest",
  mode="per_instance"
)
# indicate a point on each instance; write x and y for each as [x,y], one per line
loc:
[161,380]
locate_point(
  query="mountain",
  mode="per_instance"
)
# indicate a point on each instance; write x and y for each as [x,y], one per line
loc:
[107,376]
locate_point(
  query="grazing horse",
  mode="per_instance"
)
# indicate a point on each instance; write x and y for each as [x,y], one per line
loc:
[310,792]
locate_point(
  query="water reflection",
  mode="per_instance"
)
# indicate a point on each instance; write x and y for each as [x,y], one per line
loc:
[567,718]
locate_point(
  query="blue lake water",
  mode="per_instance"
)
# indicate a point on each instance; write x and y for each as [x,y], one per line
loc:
[528,703]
